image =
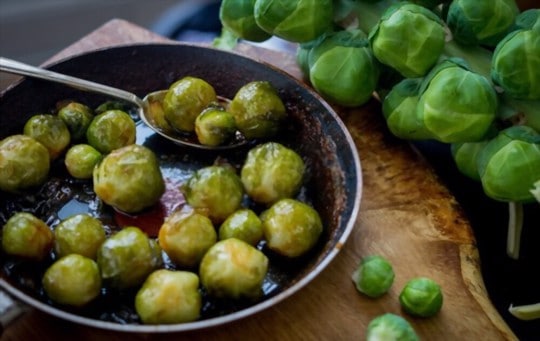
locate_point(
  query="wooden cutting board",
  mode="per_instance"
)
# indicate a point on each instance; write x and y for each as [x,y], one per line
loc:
[406,215]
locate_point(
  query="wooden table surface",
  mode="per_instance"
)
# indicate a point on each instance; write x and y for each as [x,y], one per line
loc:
[406,215]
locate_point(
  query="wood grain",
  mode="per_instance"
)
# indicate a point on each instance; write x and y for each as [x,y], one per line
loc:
[406,214]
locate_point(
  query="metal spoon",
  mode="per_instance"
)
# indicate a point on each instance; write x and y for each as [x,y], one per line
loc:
[149,108]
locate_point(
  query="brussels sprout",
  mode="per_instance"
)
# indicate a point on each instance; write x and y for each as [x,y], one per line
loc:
[421,297]
[291,228]
[431,4]
[257,110]
[352,82]
[482,21]
[515,64]
[81,234]
[465,155]
[77,118]
[214,126]
[129,179]
[215,191]
[390,327]
[168,297]
[233,269]
[81,159]
[456,105]
[27,236]
[24,163]
[128,257]
[238,17]
[528,20]
[72,280]
[271,172]
[409,38]
[243,224]
[111,130]
[509,164]
[185,100]
[112,105]
[374,276]
[294,20]
[50,131]
[185,236]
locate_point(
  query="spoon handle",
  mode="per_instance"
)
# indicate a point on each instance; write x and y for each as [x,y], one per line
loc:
[15,67]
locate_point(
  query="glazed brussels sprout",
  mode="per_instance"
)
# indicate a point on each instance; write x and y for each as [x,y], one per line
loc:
[482,21]
[185,236]
[77,118]
[509,164]
[27,236]
[72,280]
[215,191]
[353,82]
[233,269]
[238,17]
[409,38]
[185,100]
[81,234]
[390,327]
[129,179]
[456,105]
[421,297]
[214,126]
[257,110]
[291,228]
[243,224]
[50,131]
[24,163]
[81,159]
[374,276]
[128,257]
[111,130]
[271,172]
[168,297]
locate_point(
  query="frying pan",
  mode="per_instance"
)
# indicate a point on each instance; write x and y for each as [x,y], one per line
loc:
[333,181]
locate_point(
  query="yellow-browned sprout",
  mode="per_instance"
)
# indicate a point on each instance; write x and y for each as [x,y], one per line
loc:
[27,236]
[243,224]
[77,118]
[81,234]
[50,131]
[111,130]
[81,159]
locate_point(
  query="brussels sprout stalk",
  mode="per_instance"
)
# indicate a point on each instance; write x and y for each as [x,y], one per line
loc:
[526,312]
[515,225]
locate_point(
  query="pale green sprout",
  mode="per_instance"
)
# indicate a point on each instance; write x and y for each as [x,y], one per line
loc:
[81,159]
[50,131]
[238,17]
[374,276]
[422,297]
[110,130]
[390,327]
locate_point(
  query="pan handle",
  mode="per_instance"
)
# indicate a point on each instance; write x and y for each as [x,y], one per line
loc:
[10,310]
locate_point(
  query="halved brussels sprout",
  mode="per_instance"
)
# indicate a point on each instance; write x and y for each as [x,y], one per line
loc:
[128,257]
[185,100]
[258,110]
[238,17]
[168,297]
[291,228]
[72,280]
[81,234]
[27,236]
[129,179]
[233,269]
[50,131]
[243,224]
[111,130]
[81,159]
[271,172]
[77,118]
[24,163]
[185,236]
[214,126]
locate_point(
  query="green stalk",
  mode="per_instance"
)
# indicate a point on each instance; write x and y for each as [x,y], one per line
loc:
[515,225]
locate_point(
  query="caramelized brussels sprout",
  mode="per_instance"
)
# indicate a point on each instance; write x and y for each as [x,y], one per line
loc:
[77,118]
[81,234]
[27,236]
[128,257]
[72,280]
[111,130]
[291,228]
[272,172]
[129,179]
[50,131]
[258,110]
[233,269]
[214,126]
[185,100]
[168,297]
[81,159]
[243,224]
[215,191]
[24,163]
[185,236]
